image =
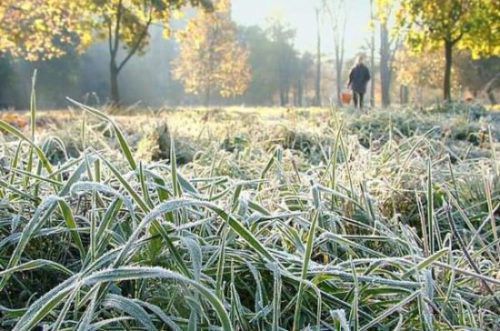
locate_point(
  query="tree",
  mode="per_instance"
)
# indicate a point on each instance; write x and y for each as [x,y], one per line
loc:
[422,72]
[263,62]
[42,29]
[211,58]
[317,97]
[282,35]
[388,47]
[462,24]
[126,25]
[336,13]
[304,68]
[479,77]
[8,93]
[277,68]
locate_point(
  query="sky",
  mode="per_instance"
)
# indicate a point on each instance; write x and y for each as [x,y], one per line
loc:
[300,14]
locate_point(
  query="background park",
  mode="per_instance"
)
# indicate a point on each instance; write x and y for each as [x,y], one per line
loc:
[198,165]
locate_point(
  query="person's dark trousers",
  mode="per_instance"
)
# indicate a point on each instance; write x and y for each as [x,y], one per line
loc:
[357,98]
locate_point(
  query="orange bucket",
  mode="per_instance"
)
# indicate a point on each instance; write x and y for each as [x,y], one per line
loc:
[346,97]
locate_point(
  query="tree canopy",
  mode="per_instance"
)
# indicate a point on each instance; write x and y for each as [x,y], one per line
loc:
[42,29]
[454,42]
[211,58]
[449,24]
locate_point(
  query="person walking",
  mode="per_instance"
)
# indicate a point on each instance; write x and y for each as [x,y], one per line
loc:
[358,79]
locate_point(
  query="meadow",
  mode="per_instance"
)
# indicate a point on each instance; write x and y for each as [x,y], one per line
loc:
[250,219]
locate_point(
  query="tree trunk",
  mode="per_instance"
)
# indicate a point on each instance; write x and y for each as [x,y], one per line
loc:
[338,29]
[385,67]
[207,97]
[300,93]
[338,79]
[318,64]
[403,94]
[282,96]
[115,92]
[287,96]
[448,53]
[114,46]
[283,78]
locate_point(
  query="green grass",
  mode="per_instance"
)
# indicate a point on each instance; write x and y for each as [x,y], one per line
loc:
[309,219]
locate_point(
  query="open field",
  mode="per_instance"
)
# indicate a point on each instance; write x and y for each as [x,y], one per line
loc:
[250,219]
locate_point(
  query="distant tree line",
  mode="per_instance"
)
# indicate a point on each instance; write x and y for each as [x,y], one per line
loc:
[211,60]
[123,52]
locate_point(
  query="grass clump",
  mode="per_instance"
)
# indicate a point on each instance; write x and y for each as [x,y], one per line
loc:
[155,145]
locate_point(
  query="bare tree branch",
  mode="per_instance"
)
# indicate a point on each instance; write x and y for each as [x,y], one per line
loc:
[138,42]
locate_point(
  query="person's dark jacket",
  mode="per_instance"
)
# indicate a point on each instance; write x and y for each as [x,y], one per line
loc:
[358,78]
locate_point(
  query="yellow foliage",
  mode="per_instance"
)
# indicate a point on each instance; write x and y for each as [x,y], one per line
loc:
[469,24]
[421,70]
[211,59]
[42,29]
[38,29]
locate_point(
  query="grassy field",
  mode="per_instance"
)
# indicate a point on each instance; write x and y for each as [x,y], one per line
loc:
[250,219]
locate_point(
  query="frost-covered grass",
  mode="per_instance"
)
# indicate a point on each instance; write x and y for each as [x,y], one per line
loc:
[279,220]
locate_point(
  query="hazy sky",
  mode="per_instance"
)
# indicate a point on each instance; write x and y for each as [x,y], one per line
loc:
[301,15]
